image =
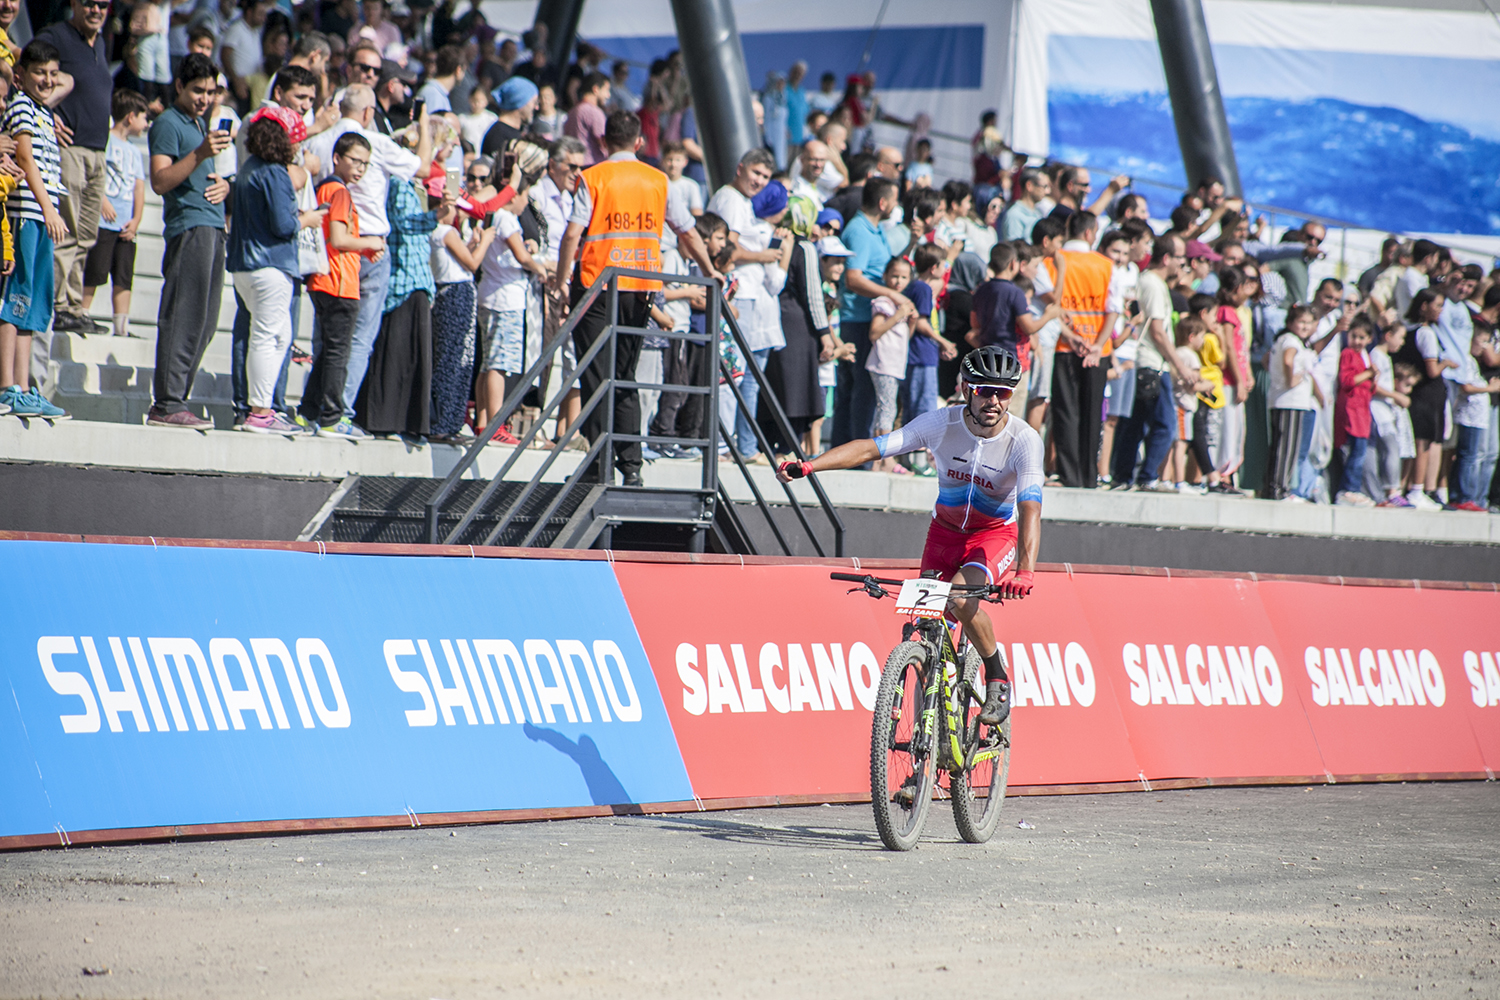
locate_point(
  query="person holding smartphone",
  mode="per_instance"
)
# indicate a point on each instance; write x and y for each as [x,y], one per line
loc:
[183,152]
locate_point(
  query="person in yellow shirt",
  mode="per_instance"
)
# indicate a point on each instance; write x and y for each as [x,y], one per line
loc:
[7,243]
[9,50]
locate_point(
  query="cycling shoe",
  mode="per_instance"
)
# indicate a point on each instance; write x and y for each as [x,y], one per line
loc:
[996,703]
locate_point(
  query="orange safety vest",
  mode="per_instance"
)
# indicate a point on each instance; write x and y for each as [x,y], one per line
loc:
[630,205]
[1084,294]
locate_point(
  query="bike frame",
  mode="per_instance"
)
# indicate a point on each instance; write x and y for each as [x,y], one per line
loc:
[943,700]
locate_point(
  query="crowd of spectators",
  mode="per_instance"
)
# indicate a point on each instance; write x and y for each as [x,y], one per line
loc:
[1201,359]
[411,171]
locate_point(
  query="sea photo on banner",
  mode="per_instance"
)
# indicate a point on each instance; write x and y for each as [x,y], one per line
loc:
[1380,115]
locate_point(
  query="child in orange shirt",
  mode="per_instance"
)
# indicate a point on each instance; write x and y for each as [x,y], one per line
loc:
[335,295]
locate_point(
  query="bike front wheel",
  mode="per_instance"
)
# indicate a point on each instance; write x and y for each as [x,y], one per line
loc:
[901,769]
[979,789]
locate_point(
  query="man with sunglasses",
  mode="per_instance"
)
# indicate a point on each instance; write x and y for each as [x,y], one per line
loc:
[364,64]
[1292,265]
[85,86]
[988,517]
[1074,185]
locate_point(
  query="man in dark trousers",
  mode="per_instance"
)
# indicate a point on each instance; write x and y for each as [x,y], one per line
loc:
[83,105]
[183,146]
[618,213]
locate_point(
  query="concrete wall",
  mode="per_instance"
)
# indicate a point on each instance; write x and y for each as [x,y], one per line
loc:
[85,501]
[899,534]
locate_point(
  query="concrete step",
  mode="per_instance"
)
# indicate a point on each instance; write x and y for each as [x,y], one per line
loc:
[169,449]
[145,299]
[109,378]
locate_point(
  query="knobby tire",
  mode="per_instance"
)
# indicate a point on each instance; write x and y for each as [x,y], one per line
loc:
[979,792]
[897,776]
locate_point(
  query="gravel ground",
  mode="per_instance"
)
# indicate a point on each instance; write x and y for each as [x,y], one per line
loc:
[1346,891]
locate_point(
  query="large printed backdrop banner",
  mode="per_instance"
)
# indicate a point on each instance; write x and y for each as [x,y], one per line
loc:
[176,686]
[1366,112]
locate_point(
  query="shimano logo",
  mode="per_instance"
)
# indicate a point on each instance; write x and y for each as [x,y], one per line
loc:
[178,680]
[542,674]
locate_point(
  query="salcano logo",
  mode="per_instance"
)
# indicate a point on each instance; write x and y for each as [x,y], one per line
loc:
[790,683]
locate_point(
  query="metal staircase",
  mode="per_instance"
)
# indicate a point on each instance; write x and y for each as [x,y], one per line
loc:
[586,509]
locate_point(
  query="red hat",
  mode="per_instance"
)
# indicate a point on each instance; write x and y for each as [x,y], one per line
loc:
[1196,249]
[288,119]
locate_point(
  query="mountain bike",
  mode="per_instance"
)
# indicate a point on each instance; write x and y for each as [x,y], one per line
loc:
[926,719]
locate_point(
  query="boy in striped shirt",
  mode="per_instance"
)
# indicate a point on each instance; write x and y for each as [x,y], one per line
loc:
[32,207]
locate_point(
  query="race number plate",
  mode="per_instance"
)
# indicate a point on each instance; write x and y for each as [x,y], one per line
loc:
[923,598]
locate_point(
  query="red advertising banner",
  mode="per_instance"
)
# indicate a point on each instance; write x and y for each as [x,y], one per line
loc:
[1202,678]
[1382,675]
[768,673]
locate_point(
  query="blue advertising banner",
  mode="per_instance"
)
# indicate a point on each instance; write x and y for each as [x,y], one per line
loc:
[180,686]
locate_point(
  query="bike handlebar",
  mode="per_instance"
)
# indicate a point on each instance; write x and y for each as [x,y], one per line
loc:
[862,578]
[873,586]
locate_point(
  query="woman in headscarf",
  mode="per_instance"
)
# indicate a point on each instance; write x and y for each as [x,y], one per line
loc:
[793,371]
[966,275]
[397,394]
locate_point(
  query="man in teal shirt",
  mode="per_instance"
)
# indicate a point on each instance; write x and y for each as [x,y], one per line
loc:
[183,147]
[796,102]
[864,280]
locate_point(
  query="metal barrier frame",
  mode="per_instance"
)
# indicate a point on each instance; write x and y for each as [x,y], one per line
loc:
[601,452]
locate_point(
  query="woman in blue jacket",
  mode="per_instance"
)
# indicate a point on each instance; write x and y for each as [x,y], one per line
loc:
[262,260]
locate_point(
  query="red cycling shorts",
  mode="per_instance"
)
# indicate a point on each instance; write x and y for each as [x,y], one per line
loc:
[993,550]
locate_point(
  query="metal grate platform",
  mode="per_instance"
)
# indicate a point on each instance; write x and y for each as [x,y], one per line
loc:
[394,510]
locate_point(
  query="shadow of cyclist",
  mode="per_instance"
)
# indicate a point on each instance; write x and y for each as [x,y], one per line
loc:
[791,835]
[604,788]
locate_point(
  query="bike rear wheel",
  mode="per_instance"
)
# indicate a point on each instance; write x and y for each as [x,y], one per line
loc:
[979,790]
[901,775]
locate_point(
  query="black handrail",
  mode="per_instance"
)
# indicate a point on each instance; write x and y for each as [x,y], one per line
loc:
[602,450]
[784,427]
[508,407]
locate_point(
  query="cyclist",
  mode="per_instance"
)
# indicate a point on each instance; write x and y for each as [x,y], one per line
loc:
[988,517]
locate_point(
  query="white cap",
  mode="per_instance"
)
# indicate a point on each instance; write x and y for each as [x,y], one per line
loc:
[832,246]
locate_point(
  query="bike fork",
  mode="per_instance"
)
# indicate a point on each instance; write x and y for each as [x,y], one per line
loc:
[931,696]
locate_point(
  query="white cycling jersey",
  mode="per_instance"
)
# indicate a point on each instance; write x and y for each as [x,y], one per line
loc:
[980,480]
